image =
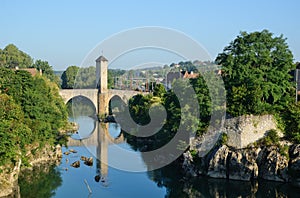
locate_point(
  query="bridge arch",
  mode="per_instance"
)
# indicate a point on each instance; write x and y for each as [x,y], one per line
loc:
[91,94]
[83,99]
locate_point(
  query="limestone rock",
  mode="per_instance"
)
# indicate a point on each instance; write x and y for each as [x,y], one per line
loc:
[72,151]
[58,151]
[97,178]
[242,164]
[188,165]
[272,165]
[217,164]
[294,165]
[76,164]
[83,158]
[89,161]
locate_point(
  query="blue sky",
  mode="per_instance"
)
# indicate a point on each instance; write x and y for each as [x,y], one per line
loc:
[64,31]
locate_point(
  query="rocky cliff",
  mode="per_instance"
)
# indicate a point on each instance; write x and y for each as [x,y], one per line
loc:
[266,162]
[9,175]
[244,156]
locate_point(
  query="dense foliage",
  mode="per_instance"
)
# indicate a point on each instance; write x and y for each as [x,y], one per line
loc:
[69,77]
[31,113]
[256,71]
[256,68]
[47,70]
[139,109]
[290,122]
[12,57]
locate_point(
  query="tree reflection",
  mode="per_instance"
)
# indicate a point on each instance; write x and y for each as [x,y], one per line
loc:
[41,181]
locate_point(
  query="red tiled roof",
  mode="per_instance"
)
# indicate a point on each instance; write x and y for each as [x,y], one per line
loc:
[32,71]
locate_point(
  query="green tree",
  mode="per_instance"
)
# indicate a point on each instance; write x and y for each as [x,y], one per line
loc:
[47,70]
[69,77]
[86,78]
[114,73]
[159,90]
[255,69]
[11,57]
[31,112]
[291,119]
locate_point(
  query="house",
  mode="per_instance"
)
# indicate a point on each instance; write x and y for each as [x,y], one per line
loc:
[171,76]
[32,71]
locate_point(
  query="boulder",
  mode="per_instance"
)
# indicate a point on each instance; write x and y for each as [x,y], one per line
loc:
[242,164]
[58,151]
[272,165]
[76,164]
[188,164]
[89,161]
[72,151]
[83,158]
[294,165]
[217,166]
[97,178]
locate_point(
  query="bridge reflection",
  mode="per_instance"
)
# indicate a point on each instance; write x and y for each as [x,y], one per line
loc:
[101,139]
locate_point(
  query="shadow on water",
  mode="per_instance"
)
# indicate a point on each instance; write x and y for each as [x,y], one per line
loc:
[179,186]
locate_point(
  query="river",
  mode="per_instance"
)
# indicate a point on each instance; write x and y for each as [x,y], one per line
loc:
[65,181]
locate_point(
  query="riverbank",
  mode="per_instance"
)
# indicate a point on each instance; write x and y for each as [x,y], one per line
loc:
[37,155]
[251,148]
[266,162]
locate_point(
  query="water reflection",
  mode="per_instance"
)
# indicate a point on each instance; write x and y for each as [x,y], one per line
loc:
[40,181]
[105,142]
[178,185]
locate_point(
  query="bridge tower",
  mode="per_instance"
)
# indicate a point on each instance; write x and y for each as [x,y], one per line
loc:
[101,74]
[101,79]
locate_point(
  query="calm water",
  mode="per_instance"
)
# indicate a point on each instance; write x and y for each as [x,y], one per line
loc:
[66,181]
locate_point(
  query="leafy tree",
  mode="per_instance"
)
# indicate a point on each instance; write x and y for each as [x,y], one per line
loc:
[11,57]
[69,77]
[86,78]
[31,112]
[187,66]
[255,69]
[139,108]
[14,134]
[47,70]
[114,73]
[159,90]
[291,122]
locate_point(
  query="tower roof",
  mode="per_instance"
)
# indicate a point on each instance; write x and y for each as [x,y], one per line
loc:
[101,58]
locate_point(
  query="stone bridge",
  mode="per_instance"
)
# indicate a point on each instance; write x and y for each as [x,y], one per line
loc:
[101,96]
[100,100]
